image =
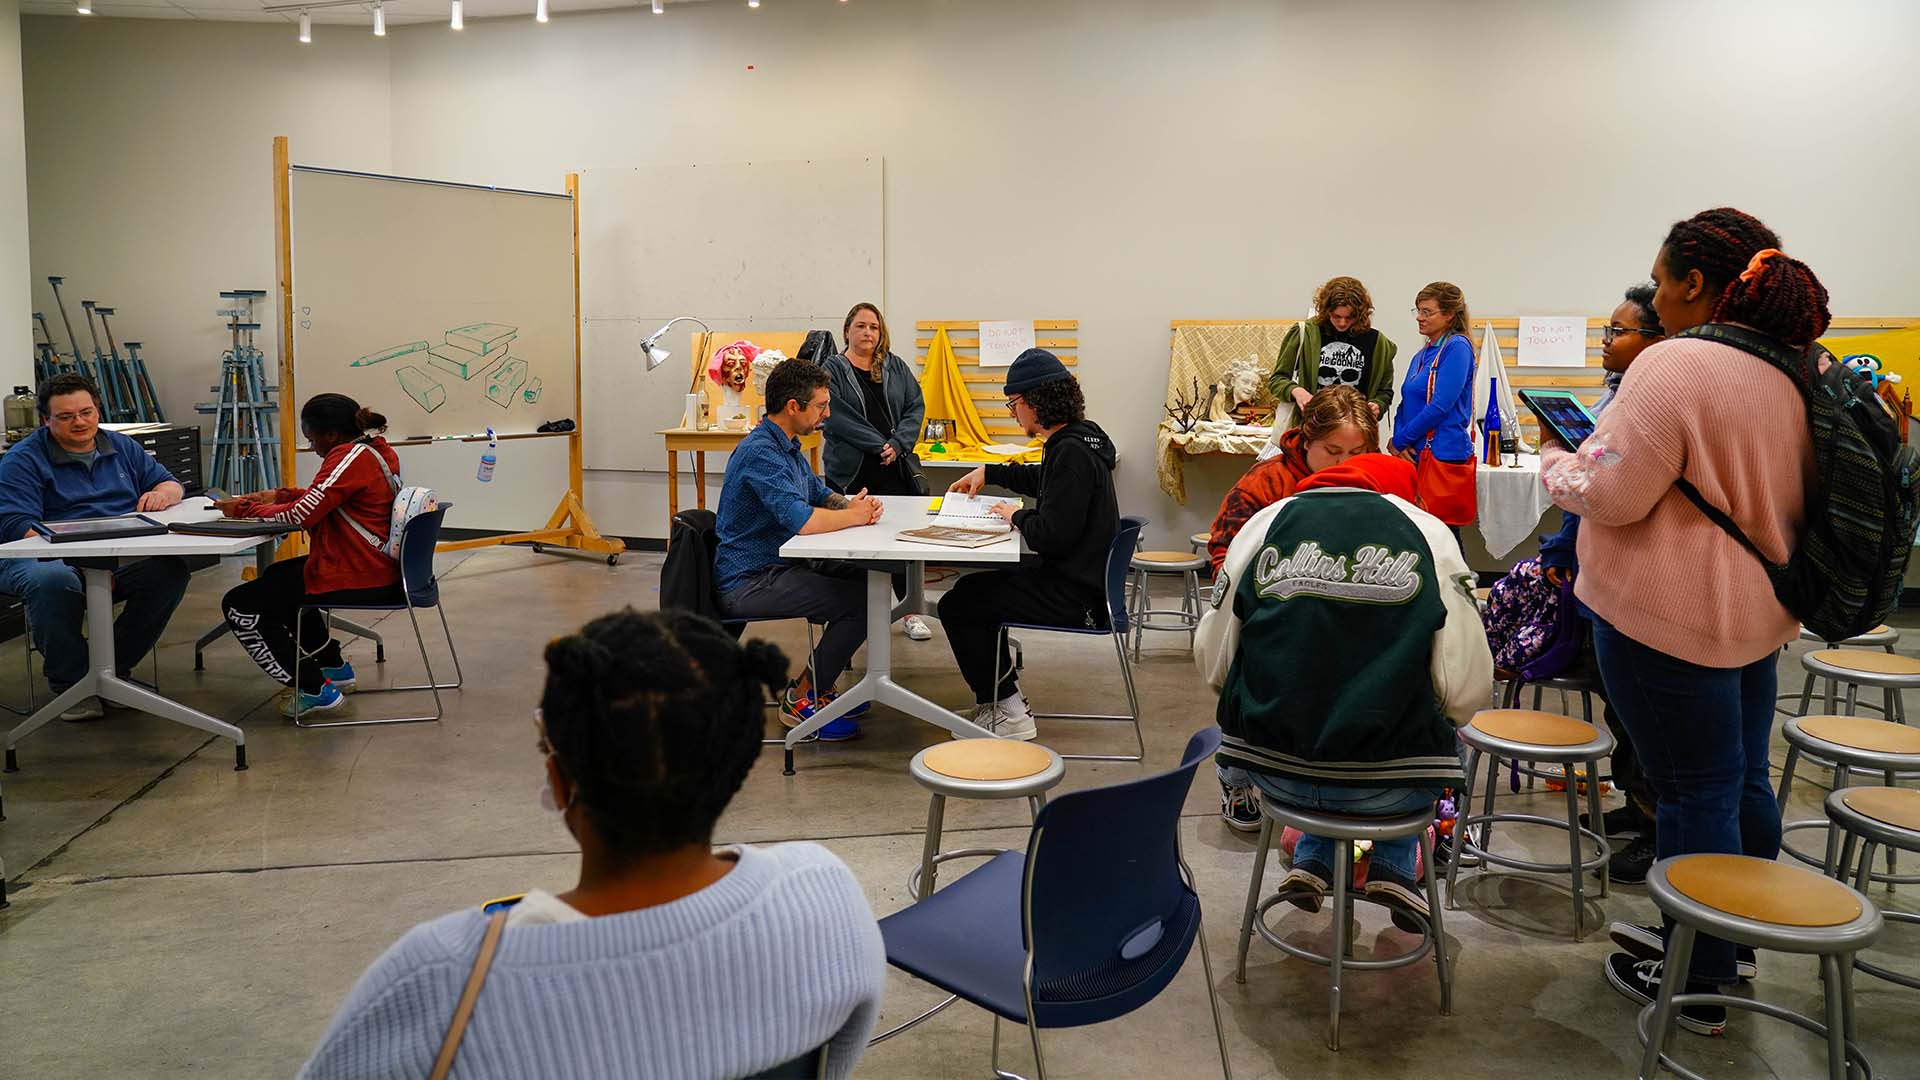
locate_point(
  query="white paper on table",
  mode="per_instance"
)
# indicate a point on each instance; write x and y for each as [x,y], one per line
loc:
[1553,341]
[1002,342]
[1006,449]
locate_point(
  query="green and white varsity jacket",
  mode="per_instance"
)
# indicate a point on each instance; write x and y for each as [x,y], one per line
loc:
[1343,638]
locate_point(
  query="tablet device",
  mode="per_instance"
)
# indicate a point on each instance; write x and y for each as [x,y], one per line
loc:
[1561,414]
[232,527]
[107,528]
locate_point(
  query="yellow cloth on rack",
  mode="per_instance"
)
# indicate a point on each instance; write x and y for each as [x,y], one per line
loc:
[947,398]
[1898,350]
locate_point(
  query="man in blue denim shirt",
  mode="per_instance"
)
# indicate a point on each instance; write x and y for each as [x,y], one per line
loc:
[769,496]
[71,469]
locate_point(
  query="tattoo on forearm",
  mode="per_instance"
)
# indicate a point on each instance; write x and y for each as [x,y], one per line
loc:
[838,502]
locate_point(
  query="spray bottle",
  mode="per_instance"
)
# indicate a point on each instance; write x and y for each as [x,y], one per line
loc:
[487,459]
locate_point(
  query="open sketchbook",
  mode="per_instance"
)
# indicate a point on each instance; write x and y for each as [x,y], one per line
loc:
[971,512]
[954,536]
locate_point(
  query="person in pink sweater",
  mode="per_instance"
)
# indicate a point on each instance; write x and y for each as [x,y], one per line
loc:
[1686,623]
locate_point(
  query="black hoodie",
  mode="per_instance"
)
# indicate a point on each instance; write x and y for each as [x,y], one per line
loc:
[1072,525]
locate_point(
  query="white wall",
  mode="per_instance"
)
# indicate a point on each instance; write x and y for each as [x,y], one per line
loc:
[16,319]
[1123,162]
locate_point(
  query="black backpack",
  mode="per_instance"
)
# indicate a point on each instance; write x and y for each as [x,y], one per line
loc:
[1845,576]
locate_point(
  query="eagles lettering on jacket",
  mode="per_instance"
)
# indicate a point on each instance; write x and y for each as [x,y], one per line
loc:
[1343,638]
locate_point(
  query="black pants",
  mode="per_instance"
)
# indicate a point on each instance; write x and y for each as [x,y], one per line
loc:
[1627,774]
[877,479]
[261,612]
[972,611]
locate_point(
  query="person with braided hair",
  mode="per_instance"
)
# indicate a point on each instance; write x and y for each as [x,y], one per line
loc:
[1686,622]
[668,958]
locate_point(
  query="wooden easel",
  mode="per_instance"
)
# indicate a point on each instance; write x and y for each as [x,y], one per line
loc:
[570,526]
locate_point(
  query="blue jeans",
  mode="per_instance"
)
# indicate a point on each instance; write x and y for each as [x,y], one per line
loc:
[1400,856]
[1701,735]
[56,603]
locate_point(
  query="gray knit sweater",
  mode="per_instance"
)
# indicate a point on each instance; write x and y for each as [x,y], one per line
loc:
[775,959]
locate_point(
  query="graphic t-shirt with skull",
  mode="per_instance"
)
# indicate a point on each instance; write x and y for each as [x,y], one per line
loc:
[1345,357]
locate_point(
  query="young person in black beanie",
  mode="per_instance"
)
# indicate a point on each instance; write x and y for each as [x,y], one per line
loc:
[1070,528]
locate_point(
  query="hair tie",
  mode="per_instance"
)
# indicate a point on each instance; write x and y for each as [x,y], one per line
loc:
[1758,263]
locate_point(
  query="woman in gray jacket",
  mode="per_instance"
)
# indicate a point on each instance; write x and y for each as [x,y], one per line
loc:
[874,421]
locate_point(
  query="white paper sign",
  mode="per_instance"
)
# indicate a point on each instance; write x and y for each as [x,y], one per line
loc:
[1001,342]
[1553,341]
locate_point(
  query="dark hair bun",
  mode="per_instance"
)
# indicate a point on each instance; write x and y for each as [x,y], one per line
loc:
[765,663]
[370,421]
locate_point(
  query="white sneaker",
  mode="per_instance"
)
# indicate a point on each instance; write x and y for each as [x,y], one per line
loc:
[916,628]
[1014,719]
[89,709]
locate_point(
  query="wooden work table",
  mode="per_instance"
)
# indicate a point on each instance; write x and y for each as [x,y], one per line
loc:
[700,444]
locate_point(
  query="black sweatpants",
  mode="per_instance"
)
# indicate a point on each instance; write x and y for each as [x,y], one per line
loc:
[260,613]
[972,611]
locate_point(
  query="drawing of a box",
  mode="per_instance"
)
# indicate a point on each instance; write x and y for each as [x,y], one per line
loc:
[484,338]
[424,389]
[458,360]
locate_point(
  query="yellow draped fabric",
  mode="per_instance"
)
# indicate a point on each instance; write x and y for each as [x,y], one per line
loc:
[947,398]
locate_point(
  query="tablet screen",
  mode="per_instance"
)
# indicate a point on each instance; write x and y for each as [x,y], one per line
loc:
[98,528]
[1561,413]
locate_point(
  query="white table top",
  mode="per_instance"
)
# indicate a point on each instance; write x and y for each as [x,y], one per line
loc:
[878,542]
[197,508]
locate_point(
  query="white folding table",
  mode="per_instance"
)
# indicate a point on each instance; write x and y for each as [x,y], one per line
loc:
[880,547]
[96,560]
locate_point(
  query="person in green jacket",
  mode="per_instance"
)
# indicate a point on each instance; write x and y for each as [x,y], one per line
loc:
[1338,346]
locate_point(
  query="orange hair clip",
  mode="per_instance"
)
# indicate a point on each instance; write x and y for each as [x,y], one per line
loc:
[1758,263]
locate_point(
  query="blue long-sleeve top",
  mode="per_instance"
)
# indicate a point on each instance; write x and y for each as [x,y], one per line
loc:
[41,482]
[1445,418]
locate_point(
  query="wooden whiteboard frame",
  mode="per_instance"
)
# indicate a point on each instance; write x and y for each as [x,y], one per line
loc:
[570,526]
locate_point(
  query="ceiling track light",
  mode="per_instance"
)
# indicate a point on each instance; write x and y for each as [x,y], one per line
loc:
[379,21]
[540,11]
[659,7]
[306,29]
[455,20]
[753,3]
[85,7]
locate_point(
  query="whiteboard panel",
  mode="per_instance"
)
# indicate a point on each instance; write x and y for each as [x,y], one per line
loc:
[450,309]
[759,246]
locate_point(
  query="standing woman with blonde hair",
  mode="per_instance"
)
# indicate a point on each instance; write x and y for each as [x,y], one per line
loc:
[875,417]
[1433,426]
[1337,347]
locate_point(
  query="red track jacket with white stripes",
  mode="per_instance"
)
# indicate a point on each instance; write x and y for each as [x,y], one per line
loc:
[348,482]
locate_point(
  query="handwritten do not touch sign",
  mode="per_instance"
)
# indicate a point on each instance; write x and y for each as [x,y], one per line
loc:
[1553,341]
[1002,342]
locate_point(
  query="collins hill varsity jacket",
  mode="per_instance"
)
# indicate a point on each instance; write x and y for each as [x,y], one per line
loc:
[1344,637]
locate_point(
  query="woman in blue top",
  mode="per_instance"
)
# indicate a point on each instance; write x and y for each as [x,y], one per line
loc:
[1433,424]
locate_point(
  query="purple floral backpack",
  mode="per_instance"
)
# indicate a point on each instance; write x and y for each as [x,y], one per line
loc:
[1532,625]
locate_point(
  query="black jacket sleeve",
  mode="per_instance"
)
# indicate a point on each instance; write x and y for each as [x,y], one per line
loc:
[1058,524]
[1019,479]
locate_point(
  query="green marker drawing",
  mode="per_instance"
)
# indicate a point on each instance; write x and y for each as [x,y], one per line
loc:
[424,389]
[381,356]
[506,381]
[457,360]
[531,395]
[484,338]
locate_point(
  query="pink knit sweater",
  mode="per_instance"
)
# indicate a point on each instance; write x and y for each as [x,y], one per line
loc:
[1650,562]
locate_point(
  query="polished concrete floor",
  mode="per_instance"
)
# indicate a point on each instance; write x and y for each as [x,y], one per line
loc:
[173,917]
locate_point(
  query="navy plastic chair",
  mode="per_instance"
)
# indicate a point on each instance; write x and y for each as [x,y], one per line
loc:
[1088,924]
[419,588]
[1119,559]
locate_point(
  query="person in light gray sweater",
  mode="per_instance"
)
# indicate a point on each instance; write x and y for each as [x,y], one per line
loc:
[669,959]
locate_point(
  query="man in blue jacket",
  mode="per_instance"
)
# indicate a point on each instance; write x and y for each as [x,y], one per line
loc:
[72,469]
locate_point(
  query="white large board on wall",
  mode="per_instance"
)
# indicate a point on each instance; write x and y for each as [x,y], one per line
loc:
[448,308]
[768,245]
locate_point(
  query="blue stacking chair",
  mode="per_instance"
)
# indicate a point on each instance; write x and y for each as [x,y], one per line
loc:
[1088,924]
[1119,559]
[419,588]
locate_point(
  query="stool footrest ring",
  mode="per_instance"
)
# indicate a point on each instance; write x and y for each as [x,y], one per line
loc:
[1462,829]
[913,879]
[1805,1023]
[1273,938]
[1911,982]
[1820,863]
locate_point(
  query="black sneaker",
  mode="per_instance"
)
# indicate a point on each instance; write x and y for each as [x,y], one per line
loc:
[1240,807]
[1630,864]
[1402,897]
[1443,853]
[1306,885]
[1645,943]
[1622,822]
[1639,981]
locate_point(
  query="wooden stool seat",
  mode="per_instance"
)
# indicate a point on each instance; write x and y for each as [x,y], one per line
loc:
[1201,539]
[1879,635]
[1171,560]
[1537,728]
[1899,807]
[1861,733]
[1869,663]
[988,759]
[1767,892]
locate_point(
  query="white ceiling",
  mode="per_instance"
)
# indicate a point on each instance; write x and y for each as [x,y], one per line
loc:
[399,12]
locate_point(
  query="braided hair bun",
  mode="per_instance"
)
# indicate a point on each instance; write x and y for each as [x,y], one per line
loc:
[1757,284]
